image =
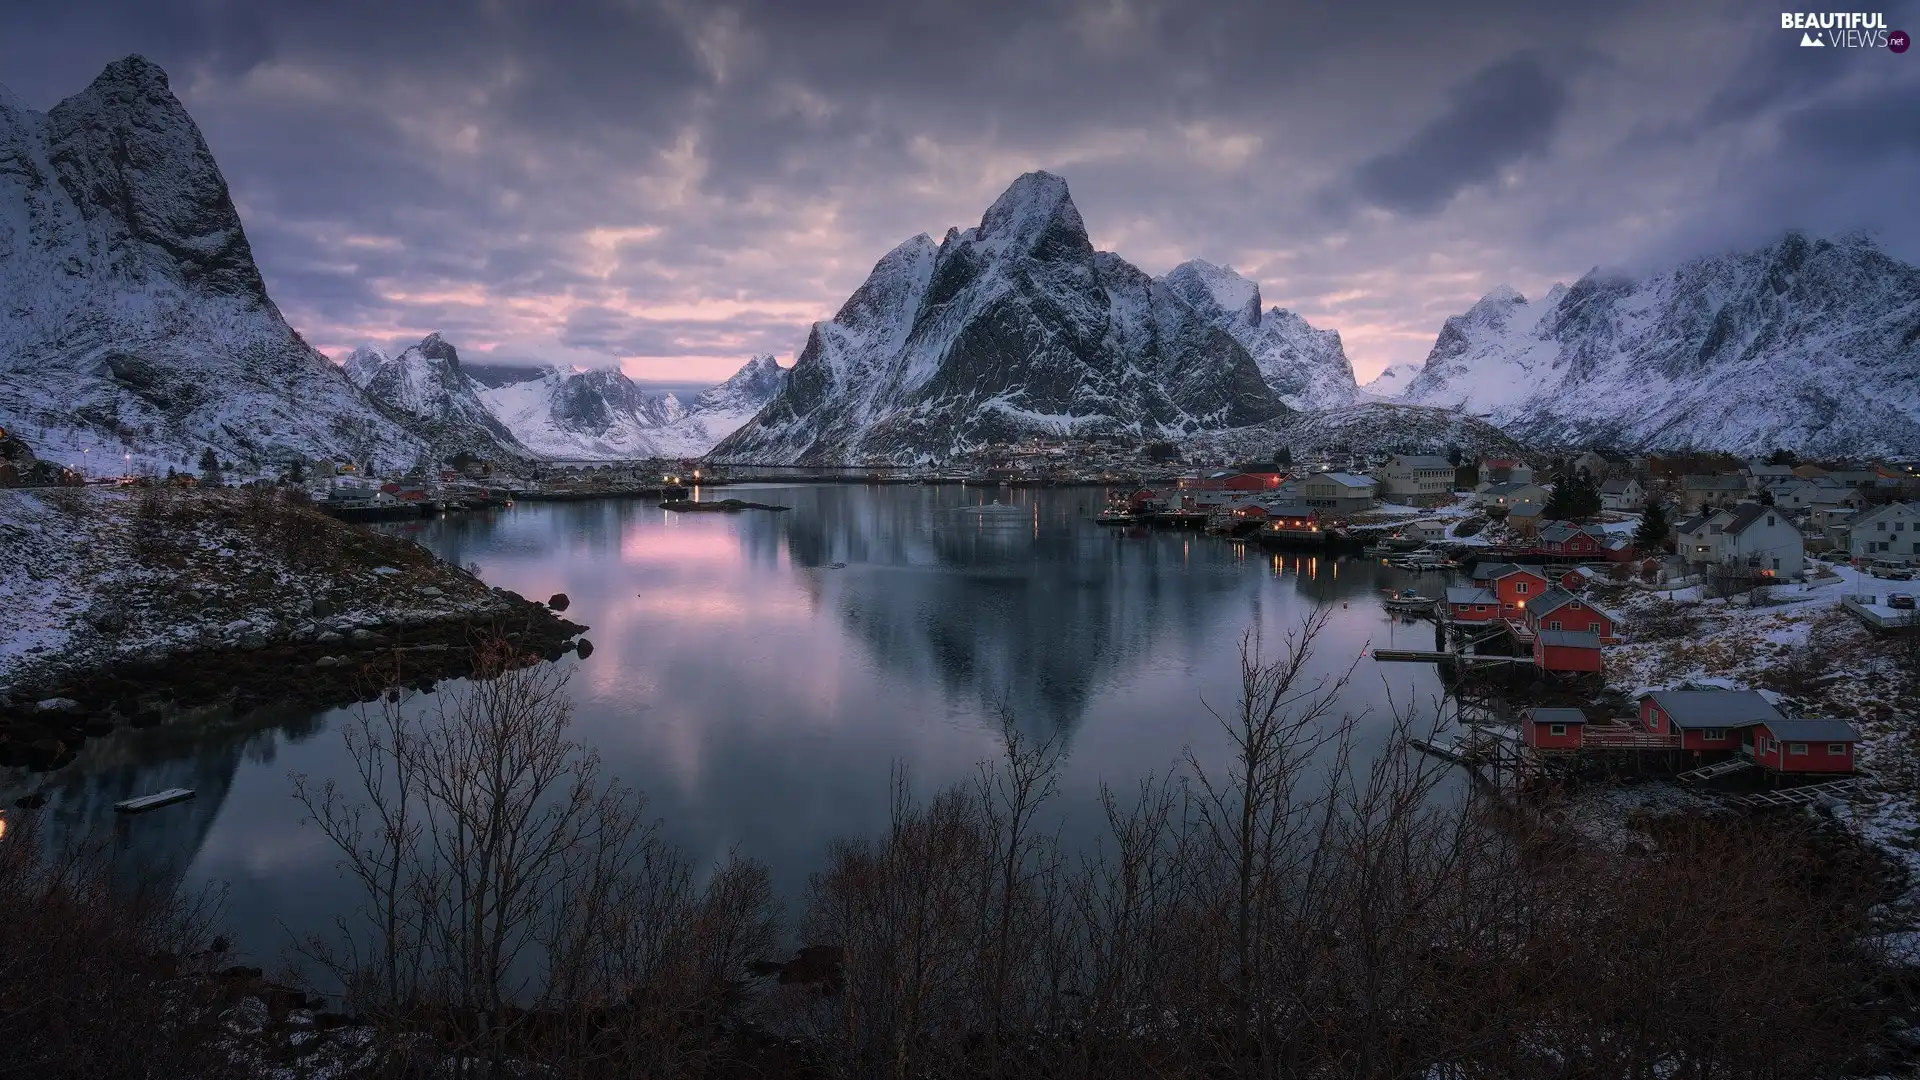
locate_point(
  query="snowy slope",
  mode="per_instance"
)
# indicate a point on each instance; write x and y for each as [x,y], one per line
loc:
[426,386]
[1807,344]
[135,321]
[1306,367]
[601,414]
[1378,427]
[1391,383]
[1015,327]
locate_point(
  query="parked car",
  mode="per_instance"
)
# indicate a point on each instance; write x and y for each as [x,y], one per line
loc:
[1901,600]
[1890,570]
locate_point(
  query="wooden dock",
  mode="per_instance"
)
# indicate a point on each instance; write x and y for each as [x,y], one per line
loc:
[1431,656]
[1804,795]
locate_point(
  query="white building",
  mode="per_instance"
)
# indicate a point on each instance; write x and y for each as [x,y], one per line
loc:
[1337,492]
[1416,480]
[1760,536]
[1622,493]
[1891,531]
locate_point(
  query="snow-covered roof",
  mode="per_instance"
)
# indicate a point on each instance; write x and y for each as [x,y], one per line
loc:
[1345,479]
[1420,461]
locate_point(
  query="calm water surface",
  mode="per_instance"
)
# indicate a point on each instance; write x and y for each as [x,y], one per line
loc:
[758,674]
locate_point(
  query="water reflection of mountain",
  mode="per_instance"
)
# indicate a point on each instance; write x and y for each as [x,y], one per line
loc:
[1033,610]
[155,848]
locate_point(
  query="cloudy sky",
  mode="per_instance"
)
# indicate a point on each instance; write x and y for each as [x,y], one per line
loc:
[673,185]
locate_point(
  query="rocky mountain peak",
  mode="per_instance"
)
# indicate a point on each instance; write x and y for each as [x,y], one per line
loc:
[435,347]
[1218,292]
[144,181]
[1034,208]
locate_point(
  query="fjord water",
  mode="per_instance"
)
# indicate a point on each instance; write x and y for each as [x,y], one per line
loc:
[757,675]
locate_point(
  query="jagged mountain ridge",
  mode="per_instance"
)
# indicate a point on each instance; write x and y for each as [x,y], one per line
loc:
[441,402]
[1015,327]
[1307,367]
[601,414]
[1806,344]
[135,320]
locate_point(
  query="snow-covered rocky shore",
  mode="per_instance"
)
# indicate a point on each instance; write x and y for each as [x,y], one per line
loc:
[122,604]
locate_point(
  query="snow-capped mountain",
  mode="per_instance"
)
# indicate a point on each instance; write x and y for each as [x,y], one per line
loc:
[1807,344]
[1391,383]
[132,317]
[1374,427]
[600,413]
[426,387]
[1307,367]
[1013,328]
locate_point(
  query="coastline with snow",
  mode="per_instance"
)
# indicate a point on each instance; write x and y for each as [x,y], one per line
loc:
[128,606]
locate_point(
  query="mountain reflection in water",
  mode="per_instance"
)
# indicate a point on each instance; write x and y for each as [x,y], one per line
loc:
[758,674]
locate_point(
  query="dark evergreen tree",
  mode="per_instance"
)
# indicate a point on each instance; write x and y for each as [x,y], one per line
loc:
[1284,457]
[1651,536]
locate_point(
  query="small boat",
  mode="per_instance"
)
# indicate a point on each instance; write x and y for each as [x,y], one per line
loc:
[1408,600]
[154,801]
[1424,559]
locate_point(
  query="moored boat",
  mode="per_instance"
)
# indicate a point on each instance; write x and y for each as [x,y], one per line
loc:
[1409,601]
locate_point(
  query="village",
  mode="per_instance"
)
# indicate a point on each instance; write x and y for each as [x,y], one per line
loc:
[1741,634]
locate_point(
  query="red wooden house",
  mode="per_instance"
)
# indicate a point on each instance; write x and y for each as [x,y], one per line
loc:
[1705,719]
[1726,722]
[1553,729]
[1802,746]
[1566,652]
[1573,541]
[1513,585]
[1472,603]
[1558,609]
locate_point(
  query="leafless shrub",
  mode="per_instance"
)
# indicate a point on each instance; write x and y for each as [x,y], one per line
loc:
[95,981]
[516,903]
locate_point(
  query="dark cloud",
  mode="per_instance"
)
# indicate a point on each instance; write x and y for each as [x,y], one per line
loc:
[676,184]
[1505,112]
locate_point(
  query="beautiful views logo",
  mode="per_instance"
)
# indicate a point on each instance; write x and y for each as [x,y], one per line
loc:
[1844,30]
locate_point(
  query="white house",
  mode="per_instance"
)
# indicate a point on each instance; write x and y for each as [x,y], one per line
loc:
[1505,471]
[1891,531]
[1760,536]
[1510,495]
[1337,492]
[1416,480]
[1622,493]
[1761,475]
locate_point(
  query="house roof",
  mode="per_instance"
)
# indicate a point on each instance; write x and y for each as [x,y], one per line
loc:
[1525,510]
[1467,594]
[1692,524]
[1690,709]
[1552,600]
[1421,461]
[1616,485]
[1809,730]
[1557,716]
[1745,514]
[1346,479]
[1717,482]
[1496,571]
[1291,509]
[1569,639]
[1509,487]
[1889,512]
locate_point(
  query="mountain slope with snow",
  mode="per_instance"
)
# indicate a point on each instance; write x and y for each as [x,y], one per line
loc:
[132,317]
[1390,384]
[1013,328]
[1306,367]
[427,387]
[600,414]
[1807,344]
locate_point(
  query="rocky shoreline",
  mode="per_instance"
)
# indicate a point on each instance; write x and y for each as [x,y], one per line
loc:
[132,610]
[315,667]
